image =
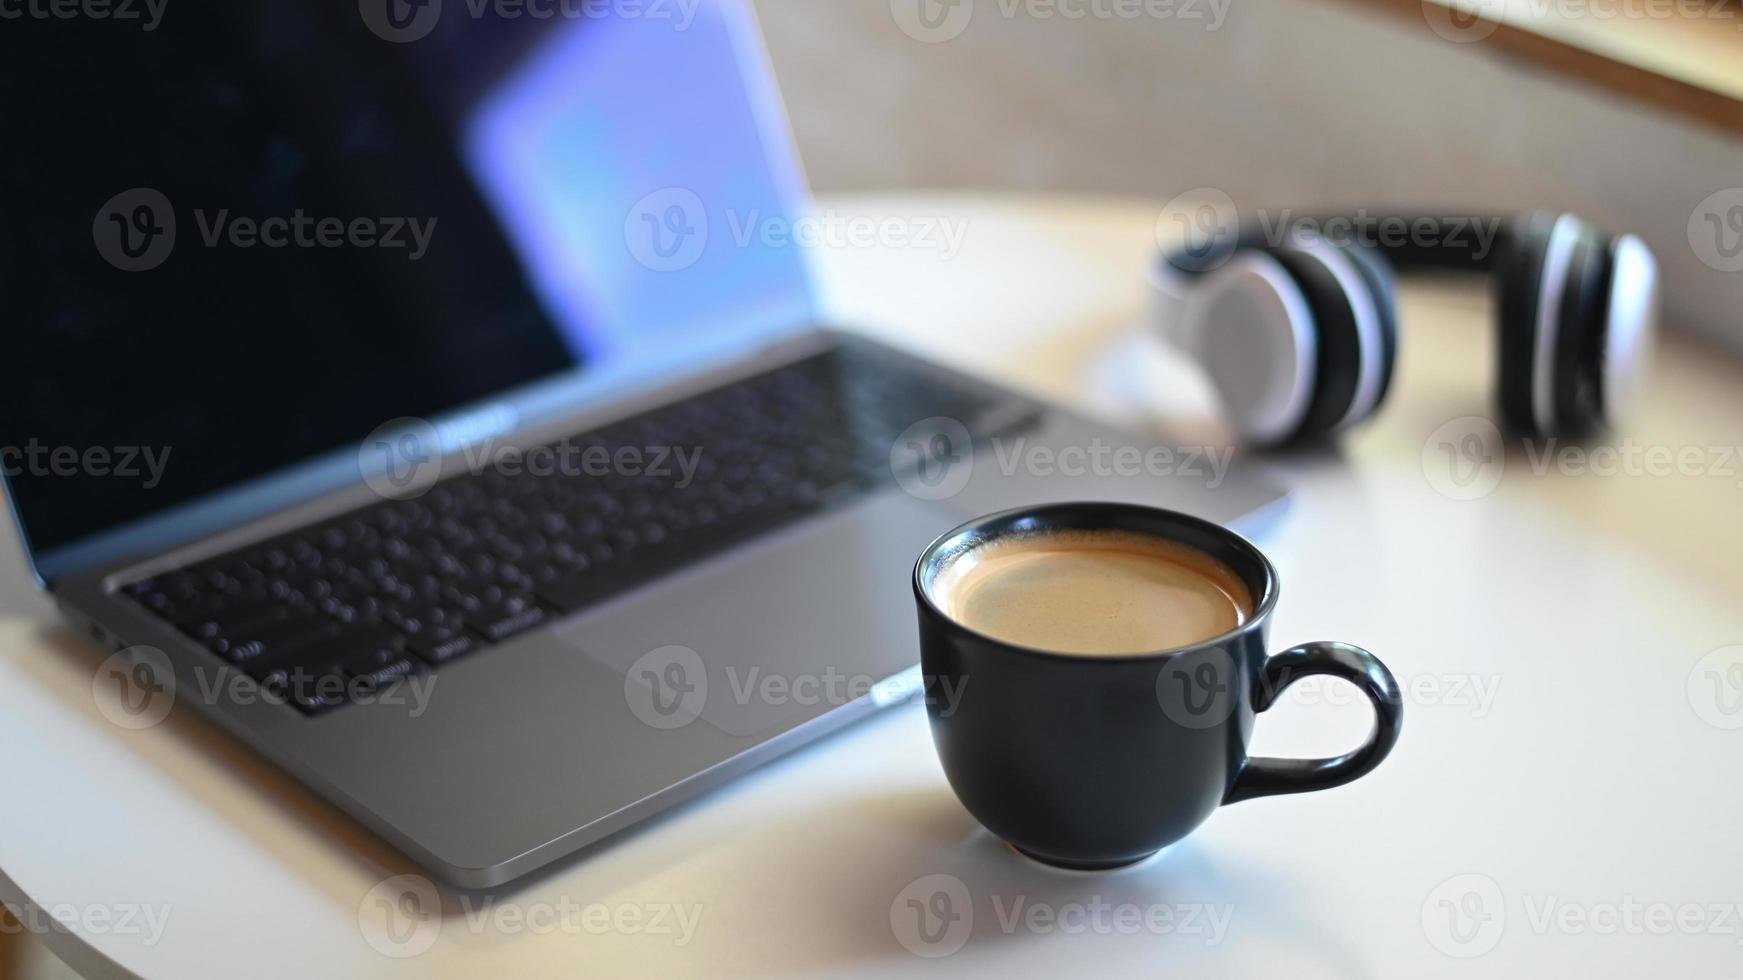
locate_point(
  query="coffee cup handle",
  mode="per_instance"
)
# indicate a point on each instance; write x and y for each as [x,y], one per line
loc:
[1275,777]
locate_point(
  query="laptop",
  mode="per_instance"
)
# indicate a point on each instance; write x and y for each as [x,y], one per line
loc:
[403,395]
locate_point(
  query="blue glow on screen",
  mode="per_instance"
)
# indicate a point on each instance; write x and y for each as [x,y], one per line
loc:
[627,160]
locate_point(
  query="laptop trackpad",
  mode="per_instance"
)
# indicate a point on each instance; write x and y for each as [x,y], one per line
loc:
[777,632]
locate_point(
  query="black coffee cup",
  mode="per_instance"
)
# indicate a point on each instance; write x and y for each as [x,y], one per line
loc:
[1095,762]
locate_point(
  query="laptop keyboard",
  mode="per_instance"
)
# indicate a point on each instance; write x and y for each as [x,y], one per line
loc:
[332,613]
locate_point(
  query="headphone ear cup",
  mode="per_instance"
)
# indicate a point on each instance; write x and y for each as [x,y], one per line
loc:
[1580,337]
[1382,284]
[1251,329]
[1524,284]
[1347,381]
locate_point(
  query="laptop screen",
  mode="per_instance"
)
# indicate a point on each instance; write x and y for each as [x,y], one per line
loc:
[241,234]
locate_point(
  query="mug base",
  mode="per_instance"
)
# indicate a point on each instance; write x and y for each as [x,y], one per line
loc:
[1087,866]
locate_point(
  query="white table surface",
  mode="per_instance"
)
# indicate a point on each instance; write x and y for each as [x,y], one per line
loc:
[1567,782]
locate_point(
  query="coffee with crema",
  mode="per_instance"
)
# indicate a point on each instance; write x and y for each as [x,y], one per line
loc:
[1093,593]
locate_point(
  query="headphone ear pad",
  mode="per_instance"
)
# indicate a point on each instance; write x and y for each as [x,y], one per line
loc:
[1630,326]
[1251,329]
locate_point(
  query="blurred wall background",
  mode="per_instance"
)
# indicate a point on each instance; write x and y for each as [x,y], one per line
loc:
[1280,103]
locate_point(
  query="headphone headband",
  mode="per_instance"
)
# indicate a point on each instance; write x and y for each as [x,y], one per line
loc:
[1447,241]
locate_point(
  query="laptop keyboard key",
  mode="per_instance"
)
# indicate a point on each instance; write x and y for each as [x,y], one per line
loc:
[438,645]
[502,620]
[366,680]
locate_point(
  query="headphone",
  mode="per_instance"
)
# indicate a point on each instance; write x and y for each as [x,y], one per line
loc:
[1298,329]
